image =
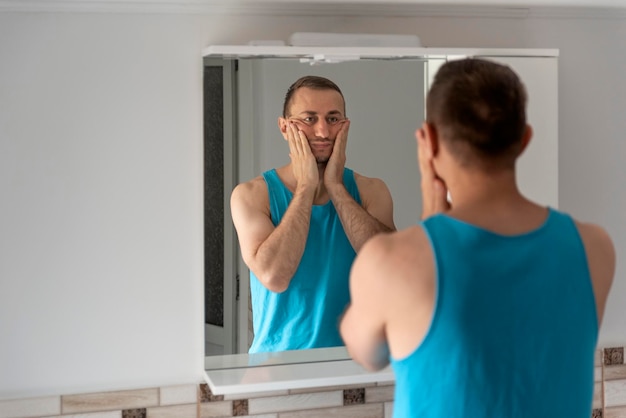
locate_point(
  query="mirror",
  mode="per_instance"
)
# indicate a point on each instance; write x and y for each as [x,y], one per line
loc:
[243,98]
[385,103]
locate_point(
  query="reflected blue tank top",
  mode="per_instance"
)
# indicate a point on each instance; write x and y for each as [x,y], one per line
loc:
[514,328]
[306,315]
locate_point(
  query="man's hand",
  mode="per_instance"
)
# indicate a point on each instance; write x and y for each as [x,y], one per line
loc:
[333,175]
[434,190]
[302,159]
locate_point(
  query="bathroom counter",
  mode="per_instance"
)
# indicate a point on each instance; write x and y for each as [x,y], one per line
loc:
[298,369]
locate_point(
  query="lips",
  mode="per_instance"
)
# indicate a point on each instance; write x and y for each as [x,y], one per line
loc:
[321,145]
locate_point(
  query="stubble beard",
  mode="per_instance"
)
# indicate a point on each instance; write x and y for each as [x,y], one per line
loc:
[322,160]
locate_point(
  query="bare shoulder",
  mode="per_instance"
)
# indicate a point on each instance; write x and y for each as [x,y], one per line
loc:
[250,192]
[369,184]
[600,253]
[395,273]
[376,199]
[596,240]
[403,251]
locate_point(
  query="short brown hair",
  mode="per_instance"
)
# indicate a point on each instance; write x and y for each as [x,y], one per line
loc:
[478,106]
[312,82]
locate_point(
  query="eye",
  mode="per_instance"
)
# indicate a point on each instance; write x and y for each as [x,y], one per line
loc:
[332,120]
[310,120]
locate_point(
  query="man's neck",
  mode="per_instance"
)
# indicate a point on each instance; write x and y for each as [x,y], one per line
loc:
[494,202]
[483,189]
[321,194]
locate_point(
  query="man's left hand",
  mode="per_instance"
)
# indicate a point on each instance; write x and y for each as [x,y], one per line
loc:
[333,175]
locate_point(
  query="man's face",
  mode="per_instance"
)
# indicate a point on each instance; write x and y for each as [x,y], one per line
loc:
[319,114]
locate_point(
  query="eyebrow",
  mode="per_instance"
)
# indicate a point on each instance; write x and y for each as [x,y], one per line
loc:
[312,113]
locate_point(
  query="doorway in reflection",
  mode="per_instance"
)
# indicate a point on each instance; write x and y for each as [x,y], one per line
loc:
[220,278]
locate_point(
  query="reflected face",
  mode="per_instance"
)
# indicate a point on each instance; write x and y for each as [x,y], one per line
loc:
[319,114]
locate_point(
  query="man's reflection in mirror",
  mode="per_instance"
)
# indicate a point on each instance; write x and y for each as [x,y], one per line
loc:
[300,225]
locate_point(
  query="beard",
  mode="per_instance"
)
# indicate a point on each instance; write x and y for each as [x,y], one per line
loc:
[320,155]
[322,160]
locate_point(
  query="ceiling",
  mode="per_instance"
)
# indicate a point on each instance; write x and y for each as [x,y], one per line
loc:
[602,8]
[500,3]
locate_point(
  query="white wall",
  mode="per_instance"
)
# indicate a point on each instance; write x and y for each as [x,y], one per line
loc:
[101,185]
[101,165]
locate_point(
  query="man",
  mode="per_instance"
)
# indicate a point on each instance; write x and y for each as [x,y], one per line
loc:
[492,307]
[300,225]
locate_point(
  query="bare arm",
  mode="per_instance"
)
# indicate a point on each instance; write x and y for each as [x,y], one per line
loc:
[274,253]
[261,241]
[359,222]
[390,317]
[363,222]
[364,321]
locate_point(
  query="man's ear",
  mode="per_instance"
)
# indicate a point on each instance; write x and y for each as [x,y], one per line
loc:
[526,137]
[283,124]
[432,139]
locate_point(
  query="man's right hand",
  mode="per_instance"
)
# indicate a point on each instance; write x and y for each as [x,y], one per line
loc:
[302,159]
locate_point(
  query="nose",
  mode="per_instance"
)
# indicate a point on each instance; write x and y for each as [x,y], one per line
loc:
[322,129]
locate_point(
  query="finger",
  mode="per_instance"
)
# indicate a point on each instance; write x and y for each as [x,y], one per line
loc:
[299,139]
[440,196]
[421,145]
[298,123]
[341,140]
[427,170]
[420,137]
[291,139]
[299,142]
[345,126]
[303,143]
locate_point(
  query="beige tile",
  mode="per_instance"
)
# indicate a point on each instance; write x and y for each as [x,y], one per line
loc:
[256,395]
[389,383]
[107,414]
[615,393]
[388,409]
[379,394]
[258,416]
[295,402]
[619,412]
[331,388]
[615,372]
[597,374]
[173,411]
[597,361]
[178,395]
[107,401]
[216,409]
[360,411]
[597,395]
[30,407]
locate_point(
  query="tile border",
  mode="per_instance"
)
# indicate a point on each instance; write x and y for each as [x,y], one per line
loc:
[613,356]
[197,398]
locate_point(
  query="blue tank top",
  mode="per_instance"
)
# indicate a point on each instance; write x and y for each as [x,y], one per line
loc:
[514,328]
[306,315]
